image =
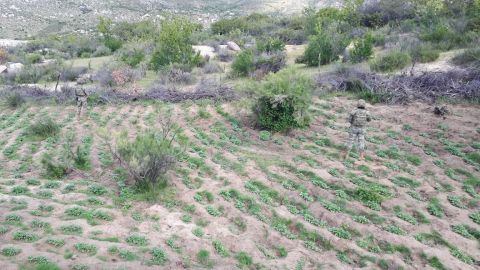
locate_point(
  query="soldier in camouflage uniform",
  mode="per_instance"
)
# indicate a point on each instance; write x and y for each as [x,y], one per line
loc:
[81,99]
[358,119]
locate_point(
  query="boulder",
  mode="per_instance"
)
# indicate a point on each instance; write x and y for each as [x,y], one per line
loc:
[233,46]
[14,67]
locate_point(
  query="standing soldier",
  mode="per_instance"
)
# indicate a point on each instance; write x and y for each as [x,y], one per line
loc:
[81,99]
[358,119]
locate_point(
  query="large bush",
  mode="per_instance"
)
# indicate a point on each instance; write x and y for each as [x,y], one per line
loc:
[324,48]
[175,45]
[390,62]
[362,49]
[244,64]
[151,155]
[284,101]
[470,57]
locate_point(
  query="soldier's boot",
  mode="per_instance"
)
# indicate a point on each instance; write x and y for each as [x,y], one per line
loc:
[347,155]
[362,156]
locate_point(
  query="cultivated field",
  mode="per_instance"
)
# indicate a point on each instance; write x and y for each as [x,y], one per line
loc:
[244,198]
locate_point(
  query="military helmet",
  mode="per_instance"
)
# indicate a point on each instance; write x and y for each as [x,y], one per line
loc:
[361,104]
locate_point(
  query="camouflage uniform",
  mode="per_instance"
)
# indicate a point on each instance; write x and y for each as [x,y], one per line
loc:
[81,99]
[358,119]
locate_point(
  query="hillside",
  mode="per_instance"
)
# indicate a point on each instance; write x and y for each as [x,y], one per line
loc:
[286,201]
[20,19]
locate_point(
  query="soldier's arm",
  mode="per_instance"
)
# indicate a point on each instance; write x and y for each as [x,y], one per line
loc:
[351,117]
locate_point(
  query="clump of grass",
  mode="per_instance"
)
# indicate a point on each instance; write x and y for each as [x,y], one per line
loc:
[340,232]
[56,242]
[264,135]
[475,217]
[86,248]
[390,62]
[159,257]
[198,232]
[435,208]
[72,229]
[137,240]
[203,257]
[25,236]
[244,259]
[15,100]
[220,248]
[10,251]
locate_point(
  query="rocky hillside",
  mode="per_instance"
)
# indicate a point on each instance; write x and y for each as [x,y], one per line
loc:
[19,18]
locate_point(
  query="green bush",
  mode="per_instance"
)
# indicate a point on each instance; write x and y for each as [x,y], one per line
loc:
[244,64]
[43,128]
[362,49]
[324,48]
[174,44]
[33,58]
[285,98]
[15,100]
[150,155]
[132,57]
[390,62]
[270,45]
[113,44]
[424,54]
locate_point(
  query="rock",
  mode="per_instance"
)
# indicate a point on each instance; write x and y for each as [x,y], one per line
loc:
[205,51]
[233,46]
[3,69]
[468,150]
[441,111]
[14,67]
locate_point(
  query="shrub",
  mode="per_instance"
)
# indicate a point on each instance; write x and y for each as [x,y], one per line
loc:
[203,257]
[132,57]
[113,44]
[72,73]
[44,128]
[175,45]
[15,100]
[270,62]
[424,54]
[362,49]
[244,64]
[285,98]
[270,45]
[33,58]
[323,49]
[54,169]
[150,155]
[224,55]
[10,251]
[390,62]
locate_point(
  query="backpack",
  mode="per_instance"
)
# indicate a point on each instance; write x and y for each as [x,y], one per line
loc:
[359,118]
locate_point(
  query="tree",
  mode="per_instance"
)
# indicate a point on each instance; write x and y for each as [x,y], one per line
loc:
[175,45]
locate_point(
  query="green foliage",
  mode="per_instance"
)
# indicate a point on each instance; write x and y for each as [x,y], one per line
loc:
[424,54]
[244,259]
[475,217]
[264,135]
[324,48]
[270,45]
[150,156]
[132,57]
[390,62]
[86,248]
[43,128]
[113,43]
[137,240]
[10,251]
[25,236]
[220,248]
[159,256]
[203,257]
[15,100]
[244,63]
[56,242]
[435,208]
[174,44]
[33,58]
[362,49]
[284,102]
[340,232]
